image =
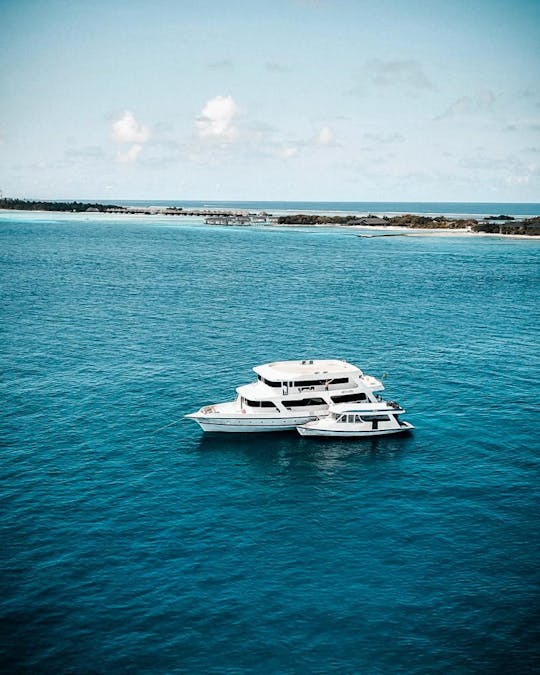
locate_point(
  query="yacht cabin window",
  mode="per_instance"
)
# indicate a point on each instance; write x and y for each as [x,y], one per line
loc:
[259,404]
[349,398]
[348,418]
[304,402]
[268,382]
[312,383]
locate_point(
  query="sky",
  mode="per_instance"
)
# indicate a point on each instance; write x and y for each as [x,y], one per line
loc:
[324,100]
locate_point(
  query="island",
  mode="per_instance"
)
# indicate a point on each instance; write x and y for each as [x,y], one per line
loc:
[497,224]
[493,224]
[94,207]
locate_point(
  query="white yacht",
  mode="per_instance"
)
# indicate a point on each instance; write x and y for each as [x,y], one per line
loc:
[358,420]
[288,394]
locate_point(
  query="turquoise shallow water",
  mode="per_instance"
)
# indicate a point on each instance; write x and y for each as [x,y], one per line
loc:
[130,547]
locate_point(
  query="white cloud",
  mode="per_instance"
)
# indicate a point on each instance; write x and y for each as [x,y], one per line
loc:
[408,73]
[383,138]
[524,125]
[216,120]
[287,152]
[126,129]
[481,102]
[129,156]
[276,67]
[517,180]
[530,92]
[326,137]
[89,152]
[222,64]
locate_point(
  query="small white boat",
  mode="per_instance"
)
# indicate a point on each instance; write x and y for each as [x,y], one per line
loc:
[358,420]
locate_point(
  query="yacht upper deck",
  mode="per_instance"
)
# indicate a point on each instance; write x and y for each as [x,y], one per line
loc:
[315,369]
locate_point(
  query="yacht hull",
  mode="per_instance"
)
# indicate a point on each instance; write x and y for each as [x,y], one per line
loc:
[314,431]
[248,424]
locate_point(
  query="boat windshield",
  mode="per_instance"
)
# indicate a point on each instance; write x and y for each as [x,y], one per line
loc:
[348,418]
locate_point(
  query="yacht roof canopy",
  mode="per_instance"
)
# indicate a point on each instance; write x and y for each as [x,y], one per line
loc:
[308,369]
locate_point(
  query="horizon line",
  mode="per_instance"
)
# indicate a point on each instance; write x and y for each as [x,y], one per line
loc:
[255,201]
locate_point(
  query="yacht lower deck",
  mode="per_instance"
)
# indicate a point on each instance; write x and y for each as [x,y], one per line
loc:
[227,417]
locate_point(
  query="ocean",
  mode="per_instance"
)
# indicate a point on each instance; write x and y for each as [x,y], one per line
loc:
[132,542]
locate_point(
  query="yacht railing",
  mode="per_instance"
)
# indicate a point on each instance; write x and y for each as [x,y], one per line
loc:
[285,389]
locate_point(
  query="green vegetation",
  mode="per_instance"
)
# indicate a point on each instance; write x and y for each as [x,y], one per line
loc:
[504,224]
[429,223]
[78,207]
[530,226]
[407,220]
[314,219]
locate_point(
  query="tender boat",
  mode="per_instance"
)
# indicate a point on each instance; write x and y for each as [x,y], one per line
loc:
[358,420]
[287,394]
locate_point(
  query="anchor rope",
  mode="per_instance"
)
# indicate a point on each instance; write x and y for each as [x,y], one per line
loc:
[165,427]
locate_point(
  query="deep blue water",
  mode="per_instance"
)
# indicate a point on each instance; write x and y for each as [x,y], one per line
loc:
[130,546]
[479,209]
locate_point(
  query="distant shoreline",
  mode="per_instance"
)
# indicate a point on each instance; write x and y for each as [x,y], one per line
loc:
[7,204]
[505,225]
